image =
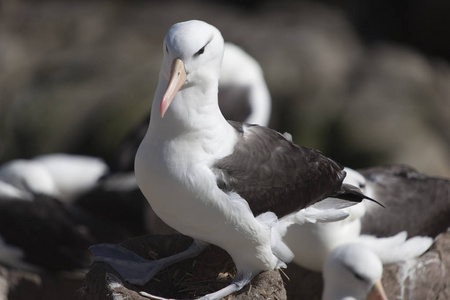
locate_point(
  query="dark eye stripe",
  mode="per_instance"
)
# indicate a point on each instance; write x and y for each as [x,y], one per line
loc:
[201,51]
[357,275]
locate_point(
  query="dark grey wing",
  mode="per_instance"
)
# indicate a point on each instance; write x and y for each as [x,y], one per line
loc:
[274,174]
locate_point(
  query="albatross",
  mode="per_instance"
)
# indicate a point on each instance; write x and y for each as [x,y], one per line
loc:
[243,92]
[351,272]
[243,96]
[231,184]
[59,175]
[323,238]
[351,263]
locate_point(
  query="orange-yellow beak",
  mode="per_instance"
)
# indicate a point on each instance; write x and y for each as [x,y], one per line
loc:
[176,81]
[377,292]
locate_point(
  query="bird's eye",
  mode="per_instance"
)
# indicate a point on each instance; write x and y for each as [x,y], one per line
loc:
[359,277]
[354,273]
[167,49]
[200,52]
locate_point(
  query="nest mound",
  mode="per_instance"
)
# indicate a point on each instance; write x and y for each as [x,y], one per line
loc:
[189,279]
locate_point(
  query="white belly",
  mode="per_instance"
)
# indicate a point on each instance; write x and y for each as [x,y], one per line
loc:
[187,198]
[312,243]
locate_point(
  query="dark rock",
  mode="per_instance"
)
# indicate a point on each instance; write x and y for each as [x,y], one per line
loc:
[423,278]
[53,235]
[25,285]
[124,206]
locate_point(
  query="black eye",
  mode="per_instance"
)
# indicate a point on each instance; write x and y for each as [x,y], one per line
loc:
[359,277]
[167,49]
[200,52]
[355,274]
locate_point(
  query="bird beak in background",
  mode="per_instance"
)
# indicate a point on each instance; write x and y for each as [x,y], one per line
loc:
[176,81]
[377,292]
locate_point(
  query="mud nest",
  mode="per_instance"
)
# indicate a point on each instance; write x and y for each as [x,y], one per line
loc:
[189,279]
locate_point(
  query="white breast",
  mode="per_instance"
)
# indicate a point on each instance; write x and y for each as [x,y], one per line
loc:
[176,178]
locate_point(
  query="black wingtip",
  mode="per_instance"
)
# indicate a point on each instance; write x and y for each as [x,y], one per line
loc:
[354,194]
[373,200]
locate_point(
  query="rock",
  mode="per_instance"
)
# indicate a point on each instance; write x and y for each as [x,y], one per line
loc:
[51,235]
[398,106]
[423,278]
[25,285]
[210,271]
[44,242]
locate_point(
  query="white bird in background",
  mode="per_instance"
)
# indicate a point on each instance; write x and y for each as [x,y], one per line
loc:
[63,176]
[9,191]
[27,178]
[243,92]
[323,239]
[352,272]
[234,185]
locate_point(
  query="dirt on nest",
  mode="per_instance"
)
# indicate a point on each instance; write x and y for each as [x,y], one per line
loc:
[189,279]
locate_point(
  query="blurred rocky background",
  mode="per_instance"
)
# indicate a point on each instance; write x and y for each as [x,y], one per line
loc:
[367,82]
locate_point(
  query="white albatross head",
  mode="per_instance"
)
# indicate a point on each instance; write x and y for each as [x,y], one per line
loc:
[193,52]
[353,272]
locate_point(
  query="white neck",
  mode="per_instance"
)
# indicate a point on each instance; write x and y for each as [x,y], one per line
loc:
[194,114]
